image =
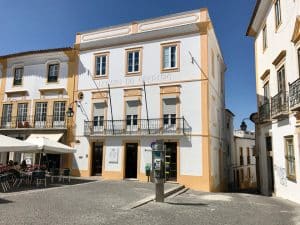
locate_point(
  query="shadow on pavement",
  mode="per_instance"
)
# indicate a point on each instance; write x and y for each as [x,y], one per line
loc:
[28,187]
[4,201]
[187,204]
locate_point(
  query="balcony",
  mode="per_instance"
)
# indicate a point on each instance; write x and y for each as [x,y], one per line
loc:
[264,112]
[295,95]
[138,127]
[279,105]
[32,122]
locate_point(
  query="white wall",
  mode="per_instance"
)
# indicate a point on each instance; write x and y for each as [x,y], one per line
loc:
[278,40]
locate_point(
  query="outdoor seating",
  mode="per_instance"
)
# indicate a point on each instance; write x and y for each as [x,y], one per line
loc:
[4,182]
[66,174]
[39,177]
[55,174]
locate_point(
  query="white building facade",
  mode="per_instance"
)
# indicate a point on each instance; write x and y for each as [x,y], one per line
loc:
[275,27]
[243,161]
[156,79]
[36,89]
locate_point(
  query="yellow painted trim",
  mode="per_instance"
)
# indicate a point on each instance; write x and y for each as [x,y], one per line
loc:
[80,173]
[72,83]
[206,183]
[296,33]
[3,62]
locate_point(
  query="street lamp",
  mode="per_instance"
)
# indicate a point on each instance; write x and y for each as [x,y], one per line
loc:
[70,111]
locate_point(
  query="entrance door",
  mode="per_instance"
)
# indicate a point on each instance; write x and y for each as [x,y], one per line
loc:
[97,156]
[131,150]
[171,161]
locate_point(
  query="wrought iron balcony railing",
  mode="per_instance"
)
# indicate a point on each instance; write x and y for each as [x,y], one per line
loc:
[279,105]
[295,95]
[33,122]
[140,127]
[264,112]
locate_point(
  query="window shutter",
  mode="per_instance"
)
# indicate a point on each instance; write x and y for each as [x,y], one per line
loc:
[132,107]
[169,106]
[99,109]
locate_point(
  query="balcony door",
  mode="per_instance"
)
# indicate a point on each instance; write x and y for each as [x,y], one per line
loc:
[22,120]
[98,111]
[169,114]
[281,85]
[6,116]
[40,117]
[59,112]
[132,108]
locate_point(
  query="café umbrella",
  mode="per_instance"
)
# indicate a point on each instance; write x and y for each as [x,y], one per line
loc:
[10,144]
[49,146]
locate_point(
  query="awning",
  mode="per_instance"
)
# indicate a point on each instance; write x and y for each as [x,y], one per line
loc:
[9,144]
[50,146]
[54,137]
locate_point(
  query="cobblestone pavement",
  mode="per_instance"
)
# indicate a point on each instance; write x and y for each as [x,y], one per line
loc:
[103,202]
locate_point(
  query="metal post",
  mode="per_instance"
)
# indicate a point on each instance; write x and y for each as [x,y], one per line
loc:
[146,107]
[183,125]
[111,111]
[158,161]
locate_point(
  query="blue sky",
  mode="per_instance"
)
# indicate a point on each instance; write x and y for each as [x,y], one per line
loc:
[38,24]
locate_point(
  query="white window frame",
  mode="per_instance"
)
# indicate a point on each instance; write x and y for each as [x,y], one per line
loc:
[18,73]
[53,72]
[100,65]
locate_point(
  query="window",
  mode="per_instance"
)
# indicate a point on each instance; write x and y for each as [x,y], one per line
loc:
[266,93]
[268,143]
[53,70]
[101,65]
[98,115]
[132,108]
[133,61]
[241,157]
[59,111]
[265,45]
[41,112]
[169,119]
[248,156]
[170,56]
[281,80]
[22,112]
[242,175]
[277,13]
[98,121]
[290,158]
[131,120]
[18,76]
[169,111]
[249,173]
[6,114]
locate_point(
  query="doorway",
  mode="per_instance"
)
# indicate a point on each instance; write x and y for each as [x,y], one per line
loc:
[131,151]
[97,157]
[171,161]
